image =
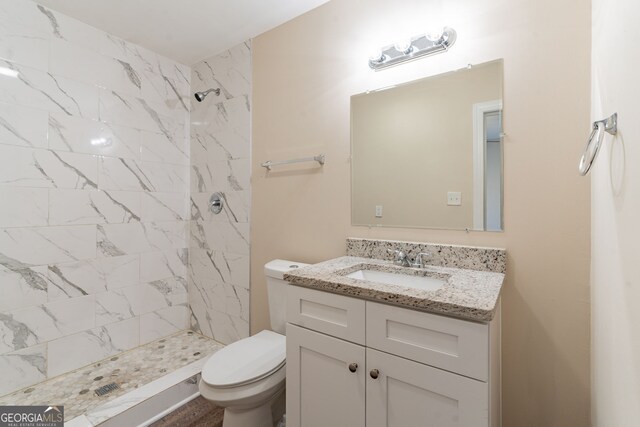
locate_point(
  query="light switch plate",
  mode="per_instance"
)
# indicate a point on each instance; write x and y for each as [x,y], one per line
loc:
[378,211]
[454,198]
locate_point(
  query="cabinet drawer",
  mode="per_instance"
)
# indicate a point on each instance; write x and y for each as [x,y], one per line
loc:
[454,345]
[332,314]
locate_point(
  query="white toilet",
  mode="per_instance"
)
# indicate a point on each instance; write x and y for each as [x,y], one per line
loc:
[246,377]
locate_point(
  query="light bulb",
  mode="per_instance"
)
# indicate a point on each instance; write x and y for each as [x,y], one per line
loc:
[434,35]
[376,55]
[404,46]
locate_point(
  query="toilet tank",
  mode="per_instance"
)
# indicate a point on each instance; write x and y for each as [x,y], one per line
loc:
[277,291]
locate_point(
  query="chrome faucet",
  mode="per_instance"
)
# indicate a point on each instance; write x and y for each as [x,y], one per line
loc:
[401,258]
[419,261]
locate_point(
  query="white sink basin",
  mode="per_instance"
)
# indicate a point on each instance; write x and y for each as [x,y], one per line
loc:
[425,283]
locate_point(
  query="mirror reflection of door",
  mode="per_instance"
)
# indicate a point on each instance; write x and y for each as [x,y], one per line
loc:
[493,171]
[487,166]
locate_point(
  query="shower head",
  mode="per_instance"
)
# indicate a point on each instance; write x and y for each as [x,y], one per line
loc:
[200,96]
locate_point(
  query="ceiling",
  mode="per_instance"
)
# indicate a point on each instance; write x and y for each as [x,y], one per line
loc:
[184,30]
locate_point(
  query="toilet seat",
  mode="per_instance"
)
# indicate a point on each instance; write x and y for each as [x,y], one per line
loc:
[246,361]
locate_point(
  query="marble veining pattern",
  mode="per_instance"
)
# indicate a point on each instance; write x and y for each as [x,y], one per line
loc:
[129,370]
[220,161]
[467,257]
[467,294]
[94,180]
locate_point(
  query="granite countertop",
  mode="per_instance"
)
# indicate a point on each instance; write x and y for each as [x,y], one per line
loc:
[467,294]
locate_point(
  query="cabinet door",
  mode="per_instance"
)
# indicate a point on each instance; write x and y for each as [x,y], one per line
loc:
[322,390]
[410,394]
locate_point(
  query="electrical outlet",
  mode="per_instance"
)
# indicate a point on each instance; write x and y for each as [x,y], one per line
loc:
[378,211]
[454,198]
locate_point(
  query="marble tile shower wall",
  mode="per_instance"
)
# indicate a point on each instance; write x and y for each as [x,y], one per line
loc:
[94,182]
[220,152]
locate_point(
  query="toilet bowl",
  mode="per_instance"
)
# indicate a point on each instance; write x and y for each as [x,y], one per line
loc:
[246,377]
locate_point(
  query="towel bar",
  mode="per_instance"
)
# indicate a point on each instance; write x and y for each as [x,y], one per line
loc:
[270,163]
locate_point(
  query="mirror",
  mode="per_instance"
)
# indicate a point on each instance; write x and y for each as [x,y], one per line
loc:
[429,153]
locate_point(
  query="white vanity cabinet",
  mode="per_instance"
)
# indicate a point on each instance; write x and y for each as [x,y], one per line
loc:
[322,390]
[356,363]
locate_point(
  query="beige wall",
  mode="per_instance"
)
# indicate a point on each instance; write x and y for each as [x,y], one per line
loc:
[414,143]
[305,72]
[615,210]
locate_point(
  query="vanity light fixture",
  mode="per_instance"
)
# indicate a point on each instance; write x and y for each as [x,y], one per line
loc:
[427,44]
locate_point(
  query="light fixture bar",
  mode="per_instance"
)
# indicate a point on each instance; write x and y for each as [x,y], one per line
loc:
[420,47]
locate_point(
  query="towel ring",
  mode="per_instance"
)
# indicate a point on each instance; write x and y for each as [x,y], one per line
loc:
[609,125]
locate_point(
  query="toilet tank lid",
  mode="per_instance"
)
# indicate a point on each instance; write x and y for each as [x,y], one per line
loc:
[278,267]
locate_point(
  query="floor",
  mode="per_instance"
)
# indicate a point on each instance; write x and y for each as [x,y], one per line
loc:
[78,390]
[197,413]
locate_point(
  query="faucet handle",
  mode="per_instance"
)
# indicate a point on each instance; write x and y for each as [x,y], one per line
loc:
[419,261]
[401,258]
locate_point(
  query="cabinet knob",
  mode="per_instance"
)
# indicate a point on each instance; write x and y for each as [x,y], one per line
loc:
[374,373]
[353,367]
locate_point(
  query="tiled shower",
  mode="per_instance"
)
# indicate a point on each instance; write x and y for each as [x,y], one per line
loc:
[220,153]
[104,195]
